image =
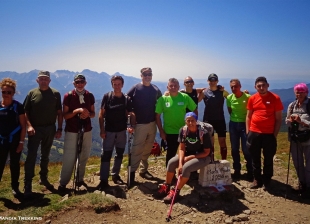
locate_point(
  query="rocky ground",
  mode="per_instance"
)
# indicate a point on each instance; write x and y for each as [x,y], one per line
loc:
[242,205]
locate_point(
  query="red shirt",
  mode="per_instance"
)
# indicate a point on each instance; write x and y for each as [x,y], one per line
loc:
[72,124]
[264,109]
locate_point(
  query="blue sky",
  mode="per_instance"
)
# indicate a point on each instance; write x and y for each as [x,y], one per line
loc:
[241,39]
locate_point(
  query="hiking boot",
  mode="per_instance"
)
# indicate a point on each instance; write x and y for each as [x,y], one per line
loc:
[47,184]
[103,185]
[256,184]
[306,193]
[146,175]
[236,175]
[16,192]
[62,188]
[117,180]
[27,190]
[302,187]
[267,185]
[81,183]
[169,197]
[163,190]
[249,176]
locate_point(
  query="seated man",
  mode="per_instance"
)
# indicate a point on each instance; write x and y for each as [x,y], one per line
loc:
[194,153]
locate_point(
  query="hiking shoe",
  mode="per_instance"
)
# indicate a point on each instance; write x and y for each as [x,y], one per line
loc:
[47,184]
[16,193]
[249,176]
[146,175]
[62,188]
[169,197]
[102,185]
[81,183]
[27,190]
[236,175]
[163,190]
[267,185]
[306,193]
[117,180]
[256,184]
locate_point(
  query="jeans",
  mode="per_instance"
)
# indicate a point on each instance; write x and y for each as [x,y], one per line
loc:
[237,132]
[112,140]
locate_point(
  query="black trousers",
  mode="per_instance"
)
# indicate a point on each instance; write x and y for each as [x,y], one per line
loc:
[255,143]
[5,148]
[173,144]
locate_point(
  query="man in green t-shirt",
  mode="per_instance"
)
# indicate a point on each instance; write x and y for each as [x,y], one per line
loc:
[236,105]
[42,106]
[173,108]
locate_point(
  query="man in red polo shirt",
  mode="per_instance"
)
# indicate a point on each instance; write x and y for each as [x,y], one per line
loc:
[263,123]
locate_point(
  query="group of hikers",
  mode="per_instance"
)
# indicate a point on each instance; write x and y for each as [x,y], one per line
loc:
[255,121]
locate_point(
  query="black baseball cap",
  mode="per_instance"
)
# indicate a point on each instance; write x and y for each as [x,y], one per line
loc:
[213,77]
[79,76]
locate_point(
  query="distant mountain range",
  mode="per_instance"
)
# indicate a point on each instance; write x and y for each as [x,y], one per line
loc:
[99,83]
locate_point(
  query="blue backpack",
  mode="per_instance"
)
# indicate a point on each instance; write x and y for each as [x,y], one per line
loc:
[10,136]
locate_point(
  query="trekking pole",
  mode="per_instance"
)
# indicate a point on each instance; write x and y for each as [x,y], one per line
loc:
[172,202]
[78,152]
[288,168]
[129,153]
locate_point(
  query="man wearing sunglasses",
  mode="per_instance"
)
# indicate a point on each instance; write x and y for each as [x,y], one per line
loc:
[78,108]
[144,96]
[42,106]
[214,98]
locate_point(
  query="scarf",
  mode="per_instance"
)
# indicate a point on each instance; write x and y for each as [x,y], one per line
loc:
[81,95]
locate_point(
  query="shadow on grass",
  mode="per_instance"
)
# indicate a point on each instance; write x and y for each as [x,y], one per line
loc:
[37,200]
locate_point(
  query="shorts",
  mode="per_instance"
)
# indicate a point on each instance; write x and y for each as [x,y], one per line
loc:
[219,126]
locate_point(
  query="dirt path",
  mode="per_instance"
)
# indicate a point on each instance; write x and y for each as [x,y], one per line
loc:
[242,206]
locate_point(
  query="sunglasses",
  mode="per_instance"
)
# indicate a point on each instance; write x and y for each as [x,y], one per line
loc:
[299,92]
[188,82]
[7,92]
[147,74]
[79,82]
